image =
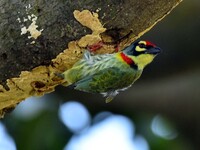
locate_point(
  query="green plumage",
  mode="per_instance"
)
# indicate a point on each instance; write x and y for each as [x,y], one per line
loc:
[109,73]
[103,74]
[107,80]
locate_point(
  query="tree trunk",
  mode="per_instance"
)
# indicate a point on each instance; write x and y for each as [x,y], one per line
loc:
[33,32]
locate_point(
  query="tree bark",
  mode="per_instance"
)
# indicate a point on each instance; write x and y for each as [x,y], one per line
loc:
[32,33]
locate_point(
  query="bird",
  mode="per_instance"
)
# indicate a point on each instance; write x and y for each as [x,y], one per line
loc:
[108,74]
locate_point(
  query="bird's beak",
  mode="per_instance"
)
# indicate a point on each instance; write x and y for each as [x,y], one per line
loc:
[153,50]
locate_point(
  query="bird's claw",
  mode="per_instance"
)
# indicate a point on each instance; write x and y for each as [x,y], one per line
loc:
[94,47]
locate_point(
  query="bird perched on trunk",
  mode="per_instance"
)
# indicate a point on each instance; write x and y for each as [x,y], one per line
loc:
[108,74]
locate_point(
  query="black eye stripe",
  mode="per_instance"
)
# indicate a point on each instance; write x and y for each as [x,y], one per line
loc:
[142,45]
[136,53]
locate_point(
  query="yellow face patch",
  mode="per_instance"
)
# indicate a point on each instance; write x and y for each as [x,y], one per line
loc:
[140,49]
[143,60]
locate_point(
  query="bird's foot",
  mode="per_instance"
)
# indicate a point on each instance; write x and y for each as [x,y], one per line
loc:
[96,46]
[116,47]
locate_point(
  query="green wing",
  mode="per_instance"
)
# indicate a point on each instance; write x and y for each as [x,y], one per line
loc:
[106,80]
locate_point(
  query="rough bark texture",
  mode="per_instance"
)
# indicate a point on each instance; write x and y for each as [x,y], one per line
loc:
[58,26]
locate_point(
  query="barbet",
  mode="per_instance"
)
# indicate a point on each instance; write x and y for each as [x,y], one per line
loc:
[108,74]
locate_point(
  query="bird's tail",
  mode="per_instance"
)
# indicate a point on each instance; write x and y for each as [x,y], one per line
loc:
[62,77]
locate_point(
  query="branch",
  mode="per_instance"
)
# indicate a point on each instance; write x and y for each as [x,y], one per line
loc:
[33,33]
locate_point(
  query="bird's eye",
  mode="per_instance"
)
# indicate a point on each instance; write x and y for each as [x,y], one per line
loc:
[142,45]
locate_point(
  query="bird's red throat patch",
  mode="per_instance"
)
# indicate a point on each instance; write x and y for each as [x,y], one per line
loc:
[127,59]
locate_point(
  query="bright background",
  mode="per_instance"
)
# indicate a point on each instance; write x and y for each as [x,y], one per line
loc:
[160,112]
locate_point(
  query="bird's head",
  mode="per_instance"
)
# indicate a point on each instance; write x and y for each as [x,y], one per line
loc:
[142,52]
